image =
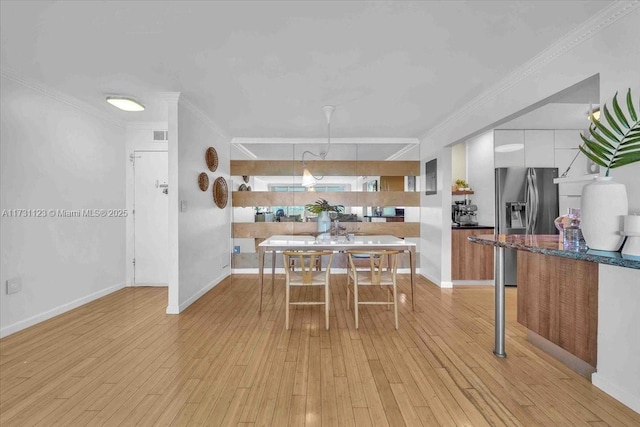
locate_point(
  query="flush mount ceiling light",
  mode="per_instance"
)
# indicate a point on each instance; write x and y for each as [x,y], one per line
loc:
[125,103]
[308,179]
[508,148]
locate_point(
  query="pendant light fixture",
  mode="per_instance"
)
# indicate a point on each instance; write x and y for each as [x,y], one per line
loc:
[308,179]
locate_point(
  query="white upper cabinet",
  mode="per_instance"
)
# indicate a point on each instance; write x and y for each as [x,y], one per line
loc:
[509,158]
[539,150]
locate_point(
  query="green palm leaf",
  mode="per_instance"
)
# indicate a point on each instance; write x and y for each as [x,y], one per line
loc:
[619,114]
[611,121]
[614,143]
[632,111]
[597,137]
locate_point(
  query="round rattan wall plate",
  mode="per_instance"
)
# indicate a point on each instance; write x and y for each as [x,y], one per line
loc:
[212,159]
[203,181]
[220,192]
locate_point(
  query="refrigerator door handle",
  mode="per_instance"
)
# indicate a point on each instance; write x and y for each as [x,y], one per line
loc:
[531,201]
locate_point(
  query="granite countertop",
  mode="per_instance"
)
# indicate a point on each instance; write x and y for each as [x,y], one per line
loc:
[550,244]
[469,227]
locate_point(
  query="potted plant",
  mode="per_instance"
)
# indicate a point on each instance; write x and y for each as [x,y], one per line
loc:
[322,208]
[322,205]
[462,184]
[611,143]
[617,142]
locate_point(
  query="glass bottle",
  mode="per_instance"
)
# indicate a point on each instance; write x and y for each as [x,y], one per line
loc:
[569,226]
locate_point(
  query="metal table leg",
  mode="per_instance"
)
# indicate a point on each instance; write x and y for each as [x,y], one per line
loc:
[412,264]
[499,349]
[261,252]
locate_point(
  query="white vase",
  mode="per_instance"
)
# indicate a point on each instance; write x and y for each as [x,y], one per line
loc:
[604,206]
[324,224]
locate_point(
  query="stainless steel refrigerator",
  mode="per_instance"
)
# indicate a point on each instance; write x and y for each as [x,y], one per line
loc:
[526,203]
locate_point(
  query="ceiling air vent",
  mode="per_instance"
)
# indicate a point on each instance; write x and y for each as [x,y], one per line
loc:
[160,136]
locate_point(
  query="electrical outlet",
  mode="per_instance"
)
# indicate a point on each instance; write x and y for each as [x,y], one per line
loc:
[14,285]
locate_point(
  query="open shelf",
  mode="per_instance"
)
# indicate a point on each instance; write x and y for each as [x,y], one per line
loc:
[462,193]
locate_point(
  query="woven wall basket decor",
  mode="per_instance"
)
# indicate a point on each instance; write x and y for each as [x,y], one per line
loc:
[220,192]
[211,158]
[203,181]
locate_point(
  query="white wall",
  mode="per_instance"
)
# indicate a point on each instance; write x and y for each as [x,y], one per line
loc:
[435,219]
[480,171]
[203,233]
[619,334]
[57,155]
[139,137]
[458,163]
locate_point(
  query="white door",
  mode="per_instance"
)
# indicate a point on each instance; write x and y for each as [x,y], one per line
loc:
[151,218]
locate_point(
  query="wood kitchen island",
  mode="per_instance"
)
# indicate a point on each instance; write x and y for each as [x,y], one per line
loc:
[581,306]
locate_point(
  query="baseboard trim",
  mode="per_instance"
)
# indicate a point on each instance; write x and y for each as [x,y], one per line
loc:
[435,281]
[473,283]
[179,309]
[38,318]
[618,393]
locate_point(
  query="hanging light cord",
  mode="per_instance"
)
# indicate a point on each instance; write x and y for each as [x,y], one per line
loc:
[322,155]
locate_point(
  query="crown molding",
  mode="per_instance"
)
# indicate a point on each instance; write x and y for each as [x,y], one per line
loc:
[592,26]
[296,141]
[407,143]
[400,152]
[170,96]
[246,151]
[203,117]
[61,97]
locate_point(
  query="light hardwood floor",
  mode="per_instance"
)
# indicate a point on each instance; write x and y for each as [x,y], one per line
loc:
[122,361]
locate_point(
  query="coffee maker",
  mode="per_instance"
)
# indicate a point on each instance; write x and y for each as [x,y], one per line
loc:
[464,213]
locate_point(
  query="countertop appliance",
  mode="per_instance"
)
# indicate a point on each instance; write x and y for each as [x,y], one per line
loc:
[526,203]
[464,213]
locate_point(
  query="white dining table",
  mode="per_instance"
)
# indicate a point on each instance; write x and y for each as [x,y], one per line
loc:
[279,243]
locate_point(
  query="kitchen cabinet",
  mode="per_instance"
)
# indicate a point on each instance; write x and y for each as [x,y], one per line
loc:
[538,149]
[566,151]
[468,260]
[392,183]
[509,158]
[537,152]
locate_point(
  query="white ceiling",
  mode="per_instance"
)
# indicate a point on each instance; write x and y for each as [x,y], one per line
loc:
[264,69]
